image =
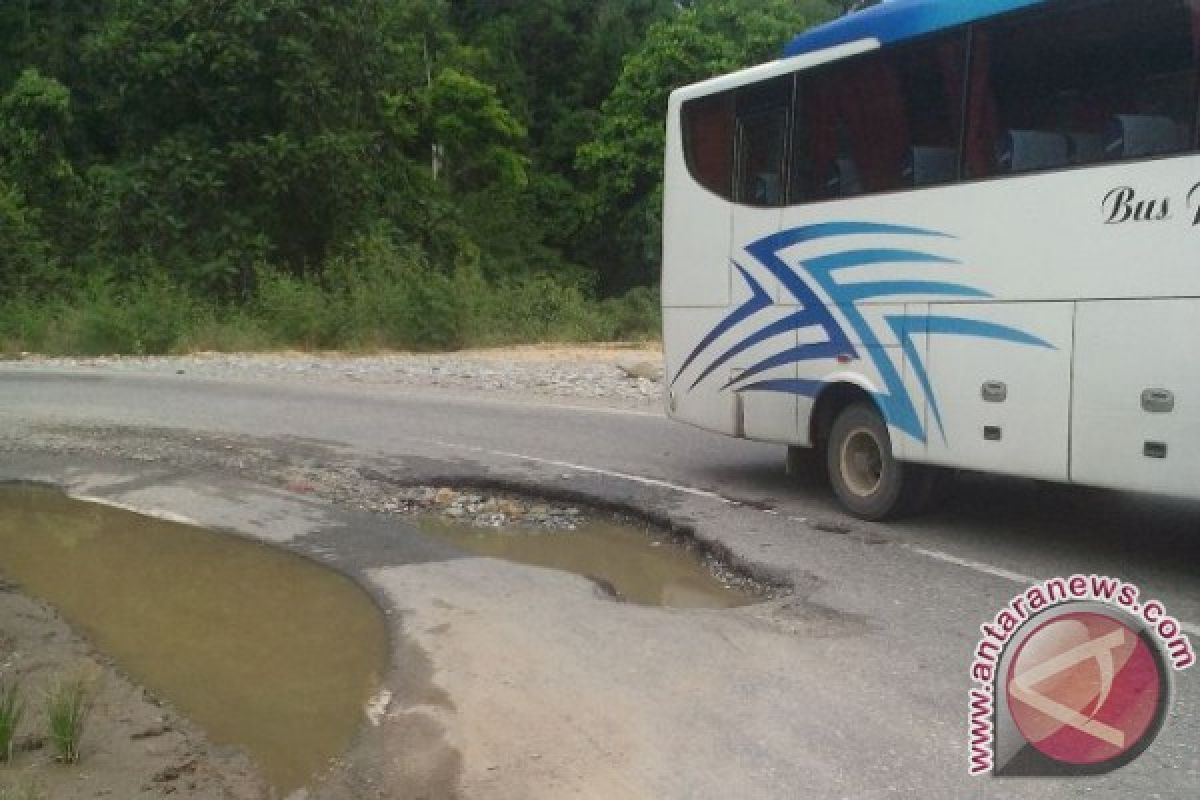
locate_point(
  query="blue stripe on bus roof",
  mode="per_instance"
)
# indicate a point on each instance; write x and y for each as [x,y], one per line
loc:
[896,20]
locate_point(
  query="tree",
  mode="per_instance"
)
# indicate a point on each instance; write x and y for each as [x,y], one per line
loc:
[25,260]
[204,138]
[553,63]
[624,159]
[35,119]
[476,133]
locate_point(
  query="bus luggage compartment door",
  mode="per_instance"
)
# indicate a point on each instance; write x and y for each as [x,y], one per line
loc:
[1135,418]
[1000,380]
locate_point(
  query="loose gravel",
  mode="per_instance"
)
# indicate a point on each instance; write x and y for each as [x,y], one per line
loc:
[609,375]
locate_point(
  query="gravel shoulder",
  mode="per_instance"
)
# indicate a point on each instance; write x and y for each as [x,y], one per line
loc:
[616,376]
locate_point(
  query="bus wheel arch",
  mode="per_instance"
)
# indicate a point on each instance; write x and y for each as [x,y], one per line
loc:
[831,402]
[851,436]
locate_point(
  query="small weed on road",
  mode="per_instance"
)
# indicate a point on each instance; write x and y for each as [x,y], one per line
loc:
[11,709]
[68,703]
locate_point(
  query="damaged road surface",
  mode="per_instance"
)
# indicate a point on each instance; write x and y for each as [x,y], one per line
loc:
[516,681]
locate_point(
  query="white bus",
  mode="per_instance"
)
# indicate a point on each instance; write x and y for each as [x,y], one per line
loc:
[947,234]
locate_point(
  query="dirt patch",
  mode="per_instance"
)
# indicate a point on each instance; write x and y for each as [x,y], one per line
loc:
[133,744]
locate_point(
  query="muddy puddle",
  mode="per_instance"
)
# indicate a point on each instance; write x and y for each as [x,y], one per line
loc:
[626,560]
[265,650]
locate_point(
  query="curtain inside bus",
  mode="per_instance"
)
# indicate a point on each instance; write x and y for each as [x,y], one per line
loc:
[883,121]
[981,113]
[708,141]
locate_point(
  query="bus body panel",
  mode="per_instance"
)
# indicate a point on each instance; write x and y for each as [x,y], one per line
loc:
[696,232]
[997,238]
[705,405]
[1121,439]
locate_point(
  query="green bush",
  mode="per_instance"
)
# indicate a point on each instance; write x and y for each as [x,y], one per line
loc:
[376,295]
[296,312]
[226,330]
[145,317]
[388,296]
[634,316]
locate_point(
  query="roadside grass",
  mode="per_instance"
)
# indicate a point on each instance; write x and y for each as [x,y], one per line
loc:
[68,704]
[367,302]
[12,708]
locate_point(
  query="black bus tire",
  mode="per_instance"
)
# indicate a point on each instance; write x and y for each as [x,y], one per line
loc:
[863,471]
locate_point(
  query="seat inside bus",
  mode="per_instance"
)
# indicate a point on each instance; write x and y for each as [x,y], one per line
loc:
[1142,135]
[1026,150]
[928,166]
[845,179]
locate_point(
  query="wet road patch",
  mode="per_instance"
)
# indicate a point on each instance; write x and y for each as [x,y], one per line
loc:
[627,561]
[266,650]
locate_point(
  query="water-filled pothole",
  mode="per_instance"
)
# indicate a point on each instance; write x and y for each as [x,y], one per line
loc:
[264,649]
[629,561]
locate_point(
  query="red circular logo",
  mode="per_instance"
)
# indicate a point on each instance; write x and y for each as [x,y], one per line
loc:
[1085,689]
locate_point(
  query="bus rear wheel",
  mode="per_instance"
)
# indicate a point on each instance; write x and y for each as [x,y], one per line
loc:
[866,477]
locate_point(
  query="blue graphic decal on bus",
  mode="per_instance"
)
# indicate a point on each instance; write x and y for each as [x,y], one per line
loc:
[823,281]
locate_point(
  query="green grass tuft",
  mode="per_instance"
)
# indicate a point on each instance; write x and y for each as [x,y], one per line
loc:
[11,710]
[68,704]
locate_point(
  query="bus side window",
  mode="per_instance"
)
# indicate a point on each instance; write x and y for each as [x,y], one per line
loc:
[708,141]
[880,122]
[762,129]
[1095,83]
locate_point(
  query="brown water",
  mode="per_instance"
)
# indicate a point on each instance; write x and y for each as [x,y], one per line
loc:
[629,560]
[264,649]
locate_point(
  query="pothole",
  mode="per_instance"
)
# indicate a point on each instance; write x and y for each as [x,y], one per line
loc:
[626,563]
[266,650]
[629,560]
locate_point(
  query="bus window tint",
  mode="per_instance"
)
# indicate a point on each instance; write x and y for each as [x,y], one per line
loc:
[708,141]
[762,126]
[880,122]
[1100,82]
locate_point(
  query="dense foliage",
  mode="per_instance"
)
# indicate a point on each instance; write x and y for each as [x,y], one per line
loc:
[251,173]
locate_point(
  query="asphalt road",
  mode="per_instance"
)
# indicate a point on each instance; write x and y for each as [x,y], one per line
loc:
[856,687]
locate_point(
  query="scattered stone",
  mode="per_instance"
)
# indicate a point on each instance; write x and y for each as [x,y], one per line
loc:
[583,373]
[606,588]
[29,743]
[509,507]
[642,371]
[831,527]
[168,774]
[152,732]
